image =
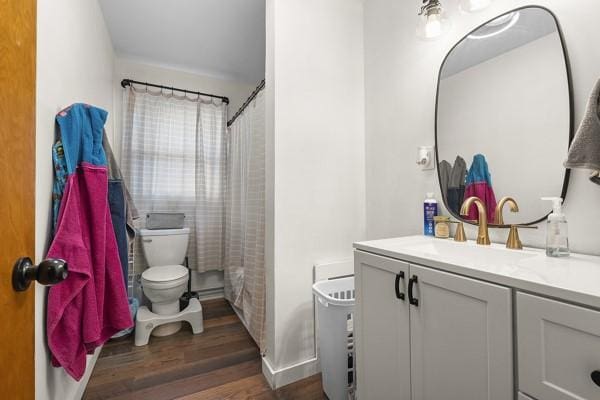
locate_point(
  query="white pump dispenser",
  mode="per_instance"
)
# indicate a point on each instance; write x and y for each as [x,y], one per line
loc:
[557,237]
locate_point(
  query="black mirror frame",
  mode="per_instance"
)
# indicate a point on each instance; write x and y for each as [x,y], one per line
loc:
[571,113]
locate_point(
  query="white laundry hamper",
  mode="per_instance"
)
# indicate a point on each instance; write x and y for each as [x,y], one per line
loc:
[335,308]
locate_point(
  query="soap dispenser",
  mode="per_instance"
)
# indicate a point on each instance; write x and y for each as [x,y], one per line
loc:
[557,237]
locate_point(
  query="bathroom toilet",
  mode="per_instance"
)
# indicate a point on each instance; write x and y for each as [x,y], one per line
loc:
[163,282]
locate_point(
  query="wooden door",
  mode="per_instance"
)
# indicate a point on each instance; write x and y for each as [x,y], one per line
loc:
[381,328]
[17,193]
[559,349]
[461,338]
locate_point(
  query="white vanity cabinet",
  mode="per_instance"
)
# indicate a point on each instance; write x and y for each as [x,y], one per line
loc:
[441,320]
[559,349]
[461,338]
[384,329]
[424,334]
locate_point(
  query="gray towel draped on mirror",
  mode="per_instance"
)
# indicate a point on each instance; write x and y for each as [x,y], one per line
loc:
[584,152]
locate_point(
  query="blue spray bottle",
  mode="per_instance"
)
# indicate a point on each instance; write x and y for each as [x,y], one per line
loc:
[430,210]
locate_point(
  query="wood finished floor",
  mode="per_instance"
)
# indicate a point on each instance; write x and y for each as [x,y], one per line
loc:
[221,363]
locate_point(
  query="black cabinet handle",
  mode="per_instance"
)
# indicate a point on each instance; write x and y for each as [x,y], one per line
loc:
[399,294]
[595,375]
[411,284]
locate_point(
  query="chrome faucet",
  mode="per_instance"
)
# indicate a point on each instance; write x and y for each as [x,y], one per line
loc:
[483,236]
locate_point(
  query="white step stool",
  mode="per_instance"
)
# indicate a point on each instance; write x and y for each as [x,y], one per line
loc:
[146,321]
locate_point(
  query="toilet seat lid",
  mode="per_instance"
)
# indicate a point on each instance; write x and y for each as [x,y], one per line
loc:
[165,273]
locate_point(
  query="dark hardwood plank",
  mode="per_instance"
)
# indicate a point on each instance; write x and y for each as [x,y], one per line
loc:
[247,388]
[196,383]
[306,389]
[223,362]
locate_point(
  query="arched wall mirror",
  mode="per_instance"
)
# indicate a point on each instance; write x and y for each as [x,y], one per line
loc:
[504,115]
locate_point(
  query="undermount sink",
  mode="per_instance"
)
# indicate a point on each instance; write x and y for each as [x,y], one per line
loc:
[486,255]
[493,258]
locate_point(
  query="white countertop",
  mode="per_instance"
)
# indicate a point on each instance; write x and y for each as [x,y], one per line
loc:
[575,278]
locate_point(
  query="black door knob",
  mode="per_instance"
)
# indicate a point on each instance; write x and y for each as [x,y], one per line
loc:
[49,272]
[596,377]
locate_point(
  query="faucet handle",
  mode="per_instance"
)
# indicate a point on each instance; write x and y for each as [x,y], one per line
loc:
[459,235]
[513,241]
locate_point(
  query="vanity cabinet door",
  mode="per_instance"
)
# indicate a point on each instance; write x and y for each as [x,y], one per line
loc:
[461,338]
[559,349]
[381,328]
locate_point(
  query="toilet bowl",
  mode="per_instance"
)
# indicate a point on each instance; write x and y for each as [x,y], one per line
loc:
[163,282]
[163,286]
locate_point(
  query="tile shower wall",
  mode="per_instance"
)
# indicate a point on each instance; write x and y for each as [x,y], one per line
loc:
[400,83]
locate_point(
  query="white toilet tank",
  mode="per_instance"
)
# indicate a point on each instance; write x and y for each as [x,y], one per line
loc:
[165,246]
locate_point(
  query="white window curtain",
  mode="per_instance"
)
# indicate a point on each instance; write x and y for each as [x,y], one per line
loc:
[174,159]
[244,271]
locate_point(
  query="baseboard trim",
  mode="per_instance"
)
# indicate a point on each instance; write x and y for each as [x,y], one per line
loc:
[291,374]
[210,294]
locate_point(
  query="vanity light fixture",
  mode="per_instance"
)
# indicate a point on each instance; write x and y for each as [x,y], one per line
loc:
[474,5]
[433,22]
[497,26]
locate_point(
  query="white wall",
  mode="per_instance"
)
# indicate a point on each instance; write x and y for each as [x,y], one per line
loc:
[315,172]
[74,64]
[400,79]
[237,92]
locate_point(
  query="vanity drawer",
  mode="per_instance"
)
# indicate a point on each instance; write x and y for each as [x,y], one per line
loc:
[558,349]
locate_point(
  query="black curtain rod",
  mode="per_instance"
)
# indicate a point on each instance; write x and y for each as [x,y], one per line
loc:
[256,91]
[129,82]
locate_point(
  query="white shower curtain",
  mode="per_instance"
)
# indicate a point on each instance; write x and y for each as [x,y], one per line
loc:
[174,160]
[245,217]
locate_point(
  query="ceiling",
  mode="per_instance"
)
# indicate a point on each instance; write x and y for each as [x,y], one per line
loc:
[222,39]
[532,23]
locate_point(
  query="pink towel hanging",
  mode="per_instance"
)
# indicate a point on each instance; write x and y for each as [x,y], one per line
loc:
[91,305]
